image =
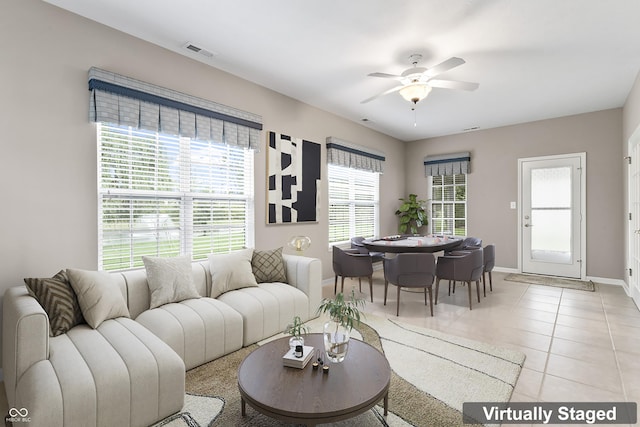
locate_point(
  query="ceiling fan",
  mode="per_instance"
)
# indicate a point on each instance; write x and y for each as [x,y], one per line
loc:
[417,82]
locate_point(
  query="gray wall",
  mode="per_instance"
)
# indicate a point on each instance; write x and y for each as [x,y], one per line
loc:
[493,181]
[48,172]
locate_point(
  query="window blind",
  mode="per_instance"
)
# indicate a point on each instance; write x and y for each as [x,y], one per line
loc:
[353,203]
[162,195]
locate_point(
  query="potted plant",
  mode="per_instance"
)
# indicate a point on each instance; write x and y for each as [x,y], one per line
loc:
[296,329]
[343,314]
[412,214]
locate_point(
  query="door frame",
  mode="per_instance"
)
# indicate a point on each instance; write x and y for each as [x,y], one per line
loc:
[583,206]
[632,284]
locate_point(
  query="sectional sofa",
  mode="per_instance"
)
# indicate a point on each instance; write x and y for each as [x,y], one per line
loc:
[126,365]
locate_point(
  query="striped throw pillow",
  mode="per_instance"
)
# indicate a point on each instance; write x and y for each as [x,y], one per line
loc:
[58,300]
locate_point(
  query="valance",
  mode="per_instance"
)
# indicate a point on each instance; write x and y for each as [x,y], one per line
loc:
[121,100]
[447,164]
[344,153]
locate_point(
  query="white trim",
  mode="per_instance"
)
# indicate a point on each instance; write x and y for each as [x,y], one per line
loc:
[583,206]
[506,270]
[630,289]
[608,281]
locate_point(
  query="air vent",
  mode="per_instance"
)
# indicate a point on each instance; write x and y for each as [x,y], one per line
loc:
[197,49]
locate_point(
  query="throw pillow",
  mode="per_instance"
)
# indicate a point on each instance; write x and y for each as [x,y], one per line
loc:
[268,266]
[98,296]
[58,300]
[231,271]
[169,279]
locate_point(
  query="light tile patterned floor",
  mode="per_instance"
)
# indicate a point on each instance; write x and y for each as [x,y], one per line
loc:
[580,346]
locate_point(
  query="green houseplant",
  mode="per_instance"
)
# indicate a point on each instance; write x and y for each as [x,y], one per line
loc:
[412,214]
[296,329]
[343,313]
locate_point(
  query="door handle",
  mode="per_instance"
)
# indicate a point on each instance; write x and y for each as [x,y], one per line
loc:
[528,225]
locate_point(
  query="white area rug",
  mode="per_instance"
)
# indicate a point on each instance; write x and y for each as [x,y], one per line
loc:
[198,411]
[450,368]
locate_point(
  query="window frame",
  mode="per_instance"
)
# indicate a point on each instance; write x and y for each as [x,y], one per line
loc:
[352,175]
[183,191]
[433,203]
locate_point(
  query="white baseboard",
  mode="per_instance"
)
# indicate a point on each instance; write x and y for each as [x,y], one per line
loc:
[506,270]
[607,281]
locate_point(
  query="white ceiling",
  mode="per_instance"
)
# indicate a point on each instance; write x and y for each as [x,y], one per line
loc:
[533,59]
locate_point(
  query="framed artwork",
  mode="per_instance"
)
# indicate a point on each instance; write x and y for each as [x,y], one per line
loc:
[293,179]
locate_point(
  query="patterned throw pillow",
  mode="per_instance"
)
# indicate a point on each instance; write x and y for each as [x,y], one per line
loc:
[58,300]
[268,266]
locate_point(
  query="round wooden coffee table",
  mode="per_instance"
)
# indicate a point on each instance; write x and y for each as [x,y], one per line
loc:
[309,396]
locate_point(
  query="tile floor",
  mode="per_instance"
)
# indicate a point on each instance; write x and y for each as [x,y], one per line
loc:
[580,346]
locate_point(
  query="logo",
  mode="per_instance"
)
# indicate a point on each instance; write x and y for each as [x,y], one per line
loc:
[18,416]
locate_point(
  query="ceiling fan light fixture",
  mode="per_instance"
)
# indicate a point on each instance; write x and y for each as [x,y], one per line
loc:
[415,92]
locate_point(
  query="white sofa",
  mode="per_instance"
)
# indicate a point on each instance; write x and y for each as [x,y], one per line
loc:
[131,371]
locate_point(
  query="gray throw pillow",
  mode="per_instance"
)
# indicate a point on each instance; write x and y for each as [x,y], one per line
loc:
[98,295]
[58,300]
[169,279]
[268,266]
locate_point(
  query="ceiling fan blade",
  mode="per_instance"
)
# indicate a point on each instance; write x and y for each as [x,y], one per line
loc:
[444,66]
[385,75]
[451,84]
[393,89]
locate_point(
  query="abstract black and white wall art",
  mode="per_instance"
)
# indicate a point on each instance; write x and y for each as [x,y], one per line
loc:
[293,190]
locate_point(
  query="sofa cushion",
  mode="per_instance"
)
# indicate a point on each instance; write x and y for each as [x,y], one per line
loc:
[231,271]
[118,374]
[169,279]
[268,266]
[58,300]
[267,309]
[98,295]
[198,330]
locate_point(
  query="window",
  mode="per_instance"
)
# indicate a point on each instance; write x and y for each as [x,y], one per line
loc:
[449,204]
[353,203]
[163,195]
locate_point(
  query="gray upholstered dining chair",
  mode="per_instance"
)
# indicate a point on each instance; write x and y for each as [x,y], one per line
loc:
[463,267]
[356,243]
[351,263]
[489,254]
[410,270]
[466,244]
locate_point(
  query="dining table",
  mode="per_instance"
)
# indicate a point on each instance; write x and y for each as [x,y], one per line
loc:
[402,243]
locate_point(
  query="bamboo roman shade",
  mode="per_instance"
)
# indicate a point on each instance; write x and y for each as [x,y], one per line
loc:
[120,100]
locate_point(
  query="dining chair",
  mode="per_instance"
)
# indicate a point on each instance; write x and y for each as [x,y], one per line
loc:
[466,244]
[463,267]
[351,263]
[489,254]
[356,243]
[410,270]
